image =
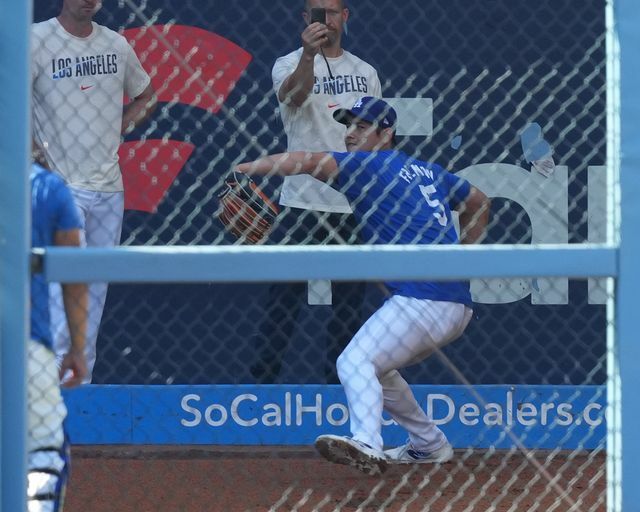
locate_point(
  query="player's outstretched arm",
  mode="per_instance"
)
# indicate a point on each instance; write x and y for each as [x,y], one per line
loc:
[319,165]
[474,216]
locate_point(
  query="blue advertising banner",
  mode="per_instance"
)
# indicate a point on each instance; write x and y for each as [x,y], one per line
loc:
[546,417]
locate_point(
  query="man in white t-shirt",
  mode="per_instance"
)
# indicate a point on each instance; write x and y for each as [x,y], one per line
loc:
[311,83]
[81,72]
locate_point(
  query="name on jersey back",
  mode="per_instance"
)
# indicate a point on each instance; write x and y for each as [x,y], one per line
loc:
[408,173]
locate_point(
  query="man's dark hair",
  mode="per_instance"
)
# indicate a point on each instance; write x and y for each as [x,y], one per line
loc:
[306,4]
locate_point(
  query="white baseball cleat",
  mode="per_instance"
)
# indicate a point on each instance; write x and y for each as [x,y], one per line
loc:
[344,450]
[407,454]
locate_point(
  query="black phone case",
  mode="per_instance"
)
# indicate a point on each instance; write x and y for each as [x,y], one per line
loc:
[319,14]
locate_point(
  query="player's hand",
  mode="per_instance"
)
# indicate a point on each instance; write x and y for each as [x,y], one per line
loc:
[73,369]
[314,37]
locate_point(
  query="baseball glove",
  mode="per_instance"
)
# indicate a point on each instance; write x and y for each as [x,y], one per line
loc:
[245,211]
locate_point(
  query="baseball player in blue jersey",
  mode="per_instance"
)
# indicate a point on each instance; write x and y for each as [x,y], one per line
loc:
[397,199]
[54,221]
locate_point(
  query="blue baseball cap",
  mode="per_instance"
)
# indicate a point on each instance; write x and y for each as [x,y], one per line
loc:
[370,109]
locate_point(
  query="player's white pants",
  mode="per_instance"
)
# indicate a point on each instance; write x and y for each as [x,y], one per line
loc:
[48,456]
[404,331]
[101,217]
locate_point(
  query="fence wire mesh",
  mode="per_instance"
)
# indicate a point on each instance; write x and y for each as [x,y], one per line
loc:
[509,95]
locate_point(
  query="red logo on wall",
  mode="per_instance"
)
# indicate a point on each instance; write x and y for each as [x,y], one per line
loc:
[187,65]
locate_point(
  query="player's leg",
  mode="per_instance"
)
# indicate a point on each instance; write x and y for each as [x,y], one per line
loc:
[103,228]
[397,335]
[372,352]
[435,324]
[48,454]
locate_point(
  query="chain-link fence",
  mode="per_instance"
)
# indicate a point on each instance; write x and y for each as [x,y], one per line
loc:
[509,95]
[491,70]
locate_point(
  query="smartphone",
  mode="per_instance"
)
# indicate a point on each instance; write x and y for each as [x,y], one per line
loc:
[318,14]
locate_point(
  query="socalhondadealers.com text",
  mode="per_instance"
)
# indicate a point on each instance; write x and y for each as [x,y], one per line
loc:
[296,409]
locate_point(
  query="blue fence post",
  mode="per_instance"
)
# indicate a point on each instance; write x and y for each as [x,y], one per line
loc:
[14,246]
[628,20]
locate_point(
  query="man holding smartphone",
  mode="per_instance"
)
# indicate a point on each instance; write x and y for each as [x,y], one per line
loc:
[311,83]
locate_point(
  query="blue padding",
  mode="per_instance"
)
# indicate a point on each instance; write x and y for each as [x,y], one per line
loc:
[549,417]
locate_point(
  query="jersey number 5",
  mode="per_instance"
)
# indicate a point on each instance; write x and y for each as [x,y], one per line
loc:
[439,213]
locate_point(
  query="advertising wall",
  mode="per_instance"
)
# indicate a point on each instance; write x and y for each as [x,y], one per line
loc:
[545,417]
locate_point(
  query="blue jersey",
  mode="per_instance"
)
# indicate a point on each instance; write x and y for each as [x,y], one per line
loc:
[52,209]
[400,200]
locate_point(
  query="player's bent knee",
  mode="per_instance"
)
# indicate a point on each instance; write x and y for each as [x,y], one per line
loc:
[343,366]
[349,363]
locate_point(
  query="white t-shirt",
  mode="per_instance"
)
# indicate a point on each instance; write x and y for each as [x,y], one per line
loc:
[311,127]
[78,87]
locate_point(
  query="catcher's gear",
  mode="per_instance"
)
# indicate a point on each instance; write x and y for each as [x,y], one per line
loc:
[245,211]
